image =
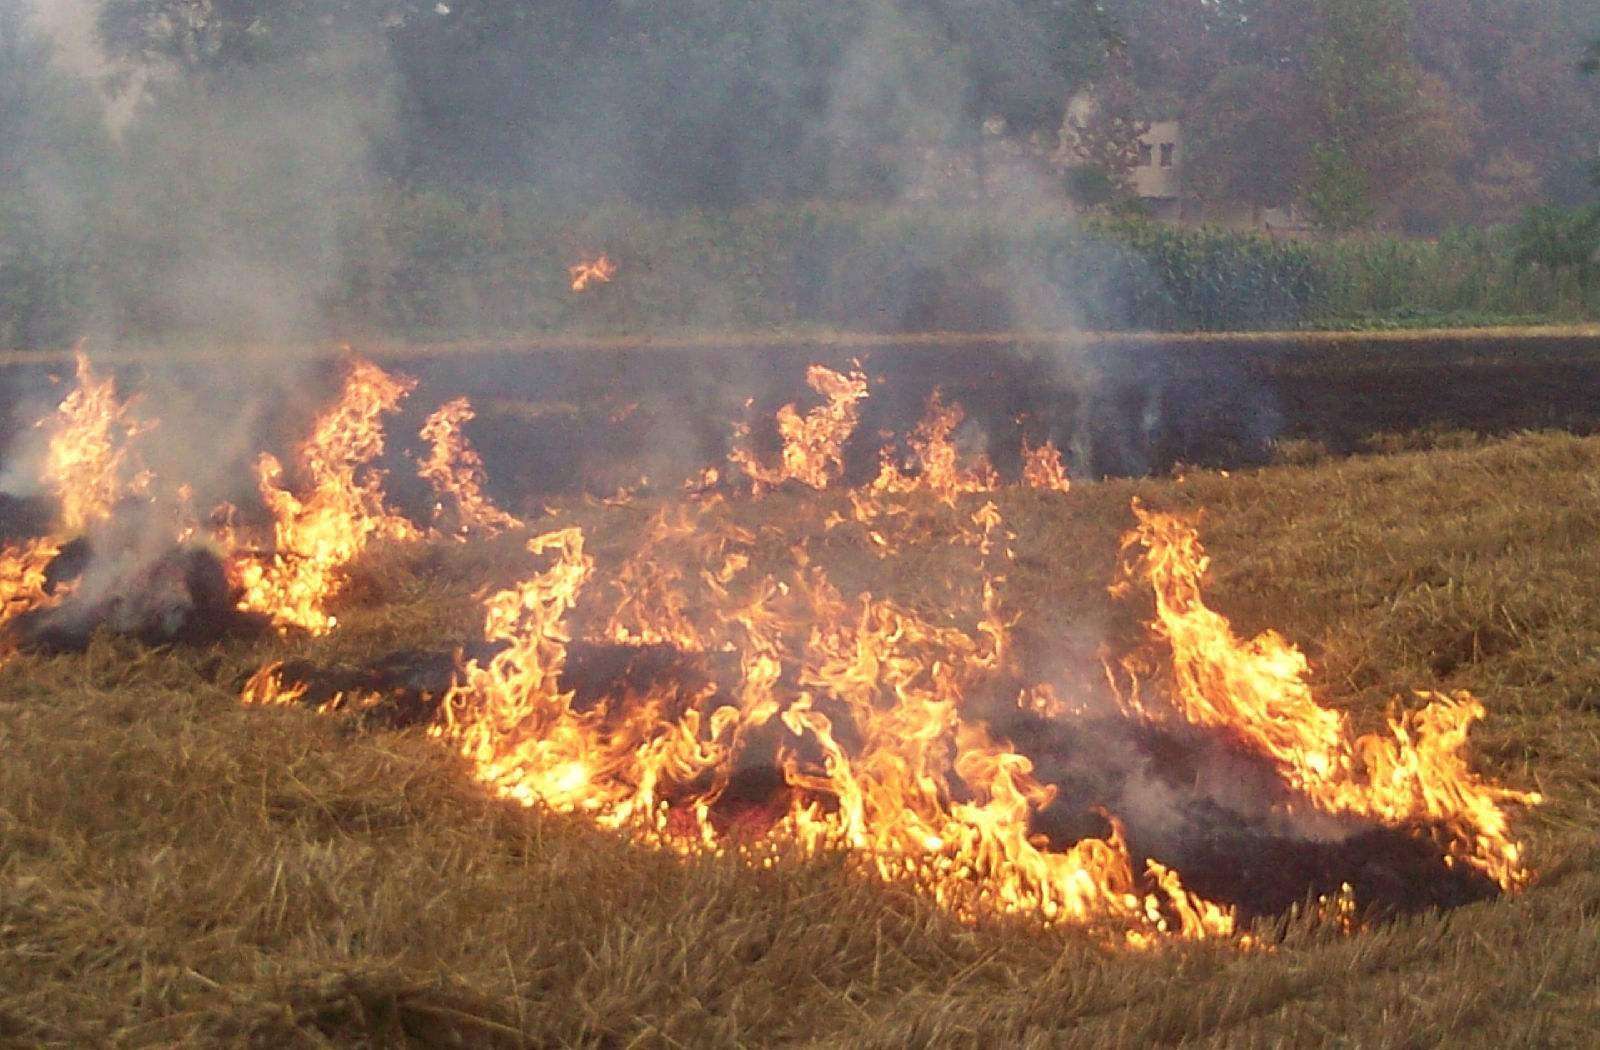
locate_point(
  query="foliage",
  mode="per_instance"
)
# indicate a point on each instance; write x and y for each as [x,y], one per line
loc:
[435,263]
[1453,111]
[1104,133]
[1247,140]
[431,264]
[1337,190]
[1560,240]
[680,102]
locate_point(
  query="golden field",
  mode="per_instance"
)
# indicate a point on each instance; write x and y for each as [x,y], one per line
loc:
[176,869]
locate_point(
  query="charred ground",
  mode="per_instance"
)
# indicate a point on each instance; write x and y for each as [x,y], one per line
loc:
[567,419]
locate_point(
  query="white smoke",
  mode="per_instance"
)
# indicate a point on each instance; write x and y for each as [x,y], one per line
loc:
[71,27]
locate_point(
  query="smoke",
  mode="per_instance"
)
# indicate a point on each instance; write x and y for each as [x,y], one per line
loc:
[71,27]
[231,207]
[213,218]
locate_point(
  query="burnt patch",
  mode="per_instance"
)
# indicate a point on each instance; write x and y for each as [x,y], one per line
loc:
[181,595]
[1195,800]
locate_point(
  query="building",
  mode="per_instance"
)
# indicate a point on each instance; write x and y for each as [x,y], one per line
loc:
[1156,177]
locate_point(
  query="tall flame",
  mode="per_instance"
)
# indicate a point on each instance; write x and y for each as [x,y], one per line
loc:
[813,444]
[1415,773]
[861,709]
[887,797]
[89,466]
[942,472]
[22,577]
[87,460]
[455,470]
[1042,468]
[317,532]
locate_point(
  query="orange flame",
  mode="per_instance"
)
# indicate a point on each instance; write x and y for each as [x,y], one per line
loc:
[586,274]
[319,531]
[880,751]
[1416,773]
[1042,468]
[266,689]
[89,467]
[813,444]
[887,798]
[455,470]
[942,473]
[22,577]
[87,458]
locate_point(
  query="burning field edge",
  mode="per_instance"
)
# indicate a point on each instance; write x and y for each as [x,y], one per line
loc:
[769,721]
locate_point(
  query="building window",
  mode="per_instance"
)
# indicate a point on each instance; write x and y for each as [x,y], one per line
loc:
[1145,154]
[1166,154]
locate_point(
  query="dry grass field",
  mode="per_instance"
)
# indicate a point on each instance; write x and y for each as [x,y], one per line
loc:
[177,869]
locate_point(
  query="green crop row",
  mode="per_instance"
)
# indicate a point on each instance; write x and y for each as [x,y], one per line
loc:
[432,264]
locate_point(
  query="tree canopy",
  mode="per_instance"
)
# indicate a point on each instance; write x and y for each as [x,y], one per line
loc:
[665,101]
[1415,113]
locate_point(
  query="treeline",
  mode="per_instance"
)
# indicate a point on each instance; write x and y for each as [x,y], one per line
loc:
[278,168]
[1415,114]
[1412,114]
[708,103]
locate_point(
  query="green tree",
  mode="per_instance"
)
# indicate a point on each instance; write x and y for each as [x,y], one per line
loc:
[1366,91]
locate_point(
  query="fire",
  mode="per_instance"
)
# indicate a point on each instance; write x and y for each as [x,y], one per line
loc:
[266,689]
[867,718]
[941,473]
[586,274]
[87,460]
[887,798]
[813,444]
[89,467]
[22,577]
[318,531]
[1042,468]
[1414,773]
[455,470]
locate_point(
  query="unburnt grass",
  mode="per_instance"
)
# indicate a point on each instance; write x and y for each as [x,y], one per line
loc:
[178,869]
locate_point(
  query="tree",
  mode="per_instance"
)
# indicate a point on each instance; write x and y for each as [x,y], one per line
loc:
[1367,99]
[668,102]
[1249,139]
[1561,240]
[1516,67]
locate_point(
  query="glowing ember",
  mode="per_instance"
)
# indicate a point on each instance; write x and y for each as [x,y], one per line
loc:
[813,444]
[587,274]
[319,531]
[455,471]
